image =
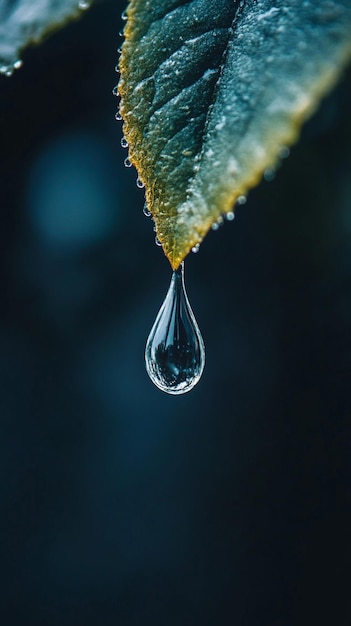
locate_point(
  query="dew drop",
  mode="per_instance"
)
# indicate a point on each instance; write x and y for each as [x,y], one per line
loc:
[124,16]
[118,117]
[220,221]
[230,216]
[269,174]
[241,200]
[195,248]
[127,162]
[157,241]
[140,183]
[8,70]
[146,211]
[284,152]
[215,226]
[124,142]
[175,351]
[115,91]
[84,4]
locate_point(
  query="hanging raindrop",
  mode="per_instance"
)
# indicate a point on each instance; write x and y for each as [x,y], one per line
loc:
[175,351]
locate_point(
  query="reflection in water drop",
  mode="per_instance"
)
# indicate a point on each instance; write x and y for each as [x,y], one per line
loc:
[175,351]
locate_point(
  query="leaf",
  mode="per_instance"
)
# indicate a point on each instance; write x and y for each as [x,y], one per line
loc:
[211,90]
[27,21]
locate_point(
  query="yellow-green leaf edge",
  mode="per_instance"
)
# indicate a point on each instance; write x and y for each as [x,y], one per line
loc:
[178,242]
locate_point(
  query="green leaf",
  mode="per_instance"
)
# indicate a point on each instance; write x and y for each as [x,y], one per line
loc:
[212,90]
[27,21]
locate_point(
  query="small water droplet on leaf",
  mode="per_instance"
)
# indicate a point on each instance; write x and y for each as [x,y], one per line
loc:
[242,200]
[146,211]
[84,4]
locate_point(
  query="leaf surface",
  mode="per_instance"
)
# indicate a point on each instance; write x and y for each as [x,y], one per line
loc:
[211,90]
[23,22]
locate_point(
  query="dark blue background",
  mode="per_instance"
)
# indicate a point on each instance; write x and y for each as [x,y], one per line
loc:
[229,506]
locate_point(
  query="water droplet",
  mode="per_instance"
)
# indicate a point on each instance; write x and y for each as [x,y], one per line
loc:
[124,142]
[115,91]
[124,15]
[84,4]
[119,50]
[269,174]
[118,117]
[284,152]
[127,162]
[157,241]
[220,221]
[230,216]
[215,226]
[8,70]
[121,33]
[175,351]
[146,211]
[241,200]
[195,248]
[140,183]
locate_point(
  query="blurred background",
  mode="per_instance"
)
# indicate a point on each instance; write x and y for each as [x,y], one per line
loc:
[228,506]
